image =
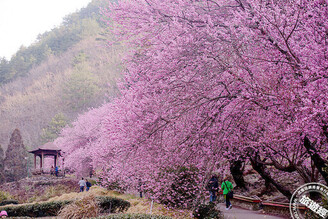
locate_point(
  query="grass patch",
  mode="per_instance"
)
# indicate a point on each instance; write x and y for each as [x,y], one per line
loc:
[49,192]
[37,189]
[5,196]
[138,205]
[83,208]
[87,206]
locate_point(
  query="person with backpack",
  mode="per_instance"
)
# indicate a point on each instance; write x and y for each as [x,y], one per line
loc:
[212,186]
[88,185]
[227,187]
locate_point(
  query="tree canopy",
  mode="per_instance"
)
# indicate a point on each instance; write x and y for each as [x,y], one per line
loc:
[209,83]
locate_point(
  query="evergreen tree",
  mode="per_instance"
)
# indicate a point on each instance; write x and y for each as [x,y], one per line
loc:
[15,163]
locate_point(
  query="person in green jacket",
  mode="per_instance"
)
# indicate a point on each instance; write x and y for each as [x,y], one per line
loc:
[226,186]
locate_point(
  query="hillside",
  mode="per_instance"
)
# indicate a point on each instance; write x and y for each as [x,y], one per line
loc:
[51,189]
[37,189]
[61,85]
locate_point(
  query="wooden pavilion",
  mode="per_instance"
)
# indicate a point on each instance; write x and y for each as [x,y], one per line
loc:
[46,150]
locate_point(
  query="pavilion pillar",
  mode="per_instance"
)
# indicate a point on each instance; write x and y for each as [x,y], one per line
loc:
[42,160]
[35,161]
[55,160]
[57,157]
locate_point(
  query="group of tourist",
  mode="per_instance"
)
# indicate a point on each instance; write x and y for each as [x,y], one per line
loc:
[54,171]
[84,184]
[226,187]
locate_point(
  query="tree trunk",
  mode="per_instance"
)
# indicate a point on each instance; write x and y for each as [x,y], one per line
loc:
[236,170]
[304,173]
[316,158]
[259,167]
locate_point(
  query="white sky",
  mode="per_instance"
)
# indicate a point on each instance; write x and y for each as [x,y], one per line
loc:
[22,20]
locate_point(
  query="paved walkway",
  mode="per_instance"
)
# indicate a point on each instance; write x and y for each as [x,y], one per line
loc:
[239,213]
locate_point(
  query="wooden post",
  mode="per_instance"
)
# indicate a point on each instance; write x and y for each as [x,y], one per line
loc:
[35,161]
[55,160]
[42,160]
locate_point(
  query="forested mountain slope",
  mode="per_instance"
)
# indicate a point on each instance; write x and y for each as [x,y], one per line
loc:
[70,76]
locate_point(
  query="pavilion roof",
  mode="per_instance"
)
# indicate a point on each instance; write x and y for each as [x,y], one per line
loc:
[50,146]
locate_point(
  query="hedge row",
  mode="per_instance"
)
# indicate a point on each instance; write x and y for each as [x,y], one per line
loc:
[44,209]
[203,211]
[8,202]
[133,216]
[112,205]
[35,210]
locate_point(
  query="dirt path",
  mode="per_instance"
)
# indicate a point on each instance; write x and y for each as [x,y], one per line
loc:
[239,213]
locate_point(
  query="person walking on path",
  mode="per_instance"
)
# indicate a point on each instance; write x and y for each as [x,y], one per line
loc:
[56,171]
[91,173]
[88,185]
[82,184]
[227,187]
[140,186]
[213,186]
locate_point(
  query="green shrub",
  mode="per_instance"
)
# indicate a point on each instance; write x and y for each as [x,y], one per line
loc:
[134,216]
[35,210]
[43,209]
[112,205]
[8,202]
[206,211]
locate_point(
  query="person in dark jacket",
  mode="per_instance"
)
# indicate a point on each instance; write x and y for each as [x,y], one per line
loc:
[213,185]
[52,171]
[56,171]
[88,185]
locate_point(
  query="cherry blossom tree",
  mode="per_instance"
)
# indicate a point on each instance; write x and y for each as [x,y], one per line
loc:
[208,83]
